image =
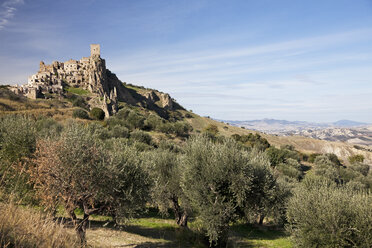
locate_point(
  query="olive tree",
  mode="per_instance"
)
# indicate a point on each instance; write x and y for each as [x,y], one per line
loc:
[128,186]
[17,143]
[164,168]
[77,172]
[324,214]
[221,181]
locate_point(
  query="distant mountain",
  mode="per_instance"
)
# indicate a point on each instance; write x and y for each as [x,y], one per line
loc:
[298,124]
[344,130]
[348,123]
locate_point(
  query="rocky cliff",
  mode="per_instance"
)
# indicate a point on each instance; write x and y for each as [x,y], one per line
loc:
[91,74]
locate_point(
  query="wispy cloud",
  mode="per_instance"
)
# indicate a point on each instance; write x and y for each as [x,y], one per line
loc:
[7,11]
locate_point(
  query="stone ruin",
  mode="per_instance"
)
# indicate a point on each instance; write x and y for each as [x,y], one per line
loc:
[88,73]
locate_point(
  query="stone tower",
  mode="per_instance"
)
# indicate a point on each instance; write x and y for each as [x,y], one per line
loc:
[95,50]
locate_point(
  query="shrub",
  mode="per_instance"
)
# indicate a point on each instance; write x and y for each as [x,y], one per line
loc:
[165,170]
[333,158]
[361,168]
[115,121]
[212,129]
[141,136]
[80,113]
[358,158]
[182,129]
[312,157]
[119,132]
[321,214]
[252,140]
[78,101]
[17,144]
[48,127]
[97,114]
[278,156]
[123,113]
[291,168]
[152,122]
[222,181]
[135,120]
[324,167]
[77,172]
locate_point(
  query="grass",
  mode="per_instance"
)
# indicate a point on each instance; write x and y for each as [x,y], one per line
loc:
[77,91]
[152,230]
[27,227]
[132,87]
[250,236]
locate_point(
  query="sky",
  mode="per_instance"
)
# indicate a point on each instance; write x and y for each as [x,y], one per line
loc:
[227,59]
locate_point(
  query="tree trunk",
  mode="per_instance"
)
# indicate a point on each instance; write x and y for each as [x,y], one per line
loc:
[73,216]
[181,217]
[81,230]
[183,220]
[222,239]
[176,209]
[262,217]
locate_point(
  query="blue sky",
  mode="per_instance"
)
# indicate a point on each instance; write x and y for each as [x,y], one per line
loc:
[237,60]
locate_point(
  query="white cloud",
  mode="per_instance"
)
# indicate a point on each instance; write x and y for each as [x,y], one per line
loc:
[7,11]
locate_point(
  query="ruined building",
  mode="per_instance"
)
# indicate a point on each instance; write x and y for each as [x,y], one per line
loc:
[88,73]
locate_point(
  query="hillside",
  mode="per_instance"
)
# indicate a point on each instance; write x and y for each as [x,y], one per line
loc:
[303,144]
[62,108]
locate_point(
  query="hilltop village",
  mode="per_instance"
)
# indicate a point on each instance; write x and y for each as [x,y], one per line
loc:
[90,74]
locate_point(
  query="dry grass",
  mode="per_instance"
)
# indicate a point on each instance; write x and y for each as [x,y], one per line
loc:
[24,227]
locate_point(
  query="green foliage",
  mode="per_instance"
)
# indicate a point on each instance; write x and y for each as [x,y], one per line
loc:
[334,159]
[77,91]
[180,129]
[123,113]
[97,114]
[358,158]
[331,157]
[78,101]
[127,188]
[170,146]
[312,157]
[361,168]
[78,172]
[278,156]
[326,168]
[252,140]
[211,129]
[357,174]
[48,127]
[135,120]
[17,138]
[141,136]
[129,118]
[292,169]
[165,170]
[220,181]
[80,113]
[119,132]
[321,214]
[152,122]
[17,144]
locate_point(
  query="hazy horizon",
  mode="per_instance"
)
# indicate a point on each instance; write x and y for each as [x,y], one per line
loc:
[241,60]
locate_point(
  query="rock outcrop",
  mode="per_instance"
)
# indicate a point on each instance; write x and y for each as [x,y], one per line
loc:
[88,73]
[91,74]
